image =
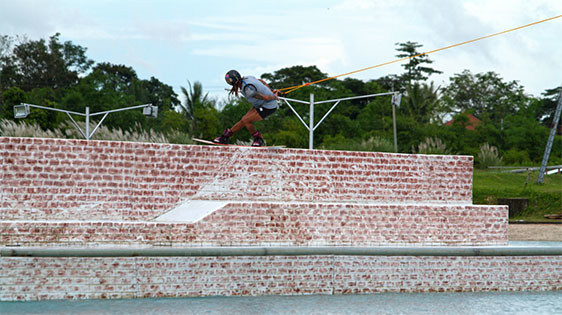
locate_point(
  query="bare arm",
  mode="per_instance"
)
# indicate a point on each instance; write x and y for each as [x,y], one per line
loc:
[264,97]
[260,96]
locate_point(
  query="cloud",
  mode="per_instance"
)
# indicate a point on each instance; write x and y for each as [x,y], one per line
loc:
[337,36]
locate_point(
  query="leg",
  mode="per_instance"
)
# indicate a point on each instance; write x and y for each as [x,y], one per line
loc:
[247,121]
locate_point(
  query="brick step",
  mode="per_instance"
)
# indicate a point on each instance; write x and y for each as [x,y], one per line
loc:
[33,278]
[61,179]
[294,224]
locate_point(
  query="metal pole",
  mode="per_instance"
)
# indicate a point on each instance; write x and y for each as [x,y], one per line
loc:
[550,138]
[394,127]
[311,124]
[88,123]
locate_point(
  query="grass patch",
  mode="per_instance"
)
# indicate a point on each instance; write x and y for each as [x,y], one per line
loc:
[545,198]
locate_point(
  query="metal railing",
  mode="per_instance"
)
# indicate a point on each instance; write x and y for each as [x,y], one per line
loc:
[284,251]
[22,111]
[311,127]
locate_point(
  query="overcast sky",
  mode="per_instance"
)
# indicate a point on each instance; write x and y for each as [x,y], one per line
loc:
[200,40]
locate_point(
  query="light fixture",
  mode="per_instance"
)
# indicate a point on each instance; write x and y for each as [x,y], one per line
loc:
[150,111]
[21,111]
[396,98]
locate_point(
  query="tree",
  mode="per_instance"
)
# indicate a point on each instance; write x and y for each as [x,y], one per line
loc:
[38,64]
[11,97]
[292,76]
[415,71]
[485,94]
[421,102]
[117,77]
[157,93]
[547,106]
[195,104]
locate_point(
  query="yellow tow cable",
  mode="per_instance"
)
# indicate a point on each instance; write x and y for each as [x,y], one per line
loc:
[296,87]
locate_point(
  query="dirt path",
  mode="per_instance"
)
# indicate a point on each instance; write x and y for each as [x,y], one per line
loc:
[535,232]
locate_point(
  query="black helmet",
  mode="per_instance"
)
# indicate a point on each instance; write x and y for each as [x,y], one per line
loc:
[232,77]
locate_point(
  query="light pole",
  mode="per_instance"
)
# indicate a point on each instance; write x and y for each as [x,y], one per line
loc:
[22,111]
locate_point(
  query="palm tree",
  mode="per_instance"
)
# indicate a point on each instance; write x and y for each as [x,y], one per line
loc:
[422,102]
[194,100]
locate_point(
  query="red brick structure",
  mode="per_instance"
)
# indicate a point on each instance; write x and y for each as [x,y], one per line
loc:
[76,193]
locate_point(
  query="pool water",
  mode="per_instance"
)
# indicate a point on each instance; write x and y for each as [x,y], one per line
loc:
[384,303]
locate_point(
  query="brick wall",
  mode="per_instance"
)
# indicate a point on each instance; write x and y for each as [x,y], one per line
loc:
[294,224]
[78,278]
[57,192]
[56,179]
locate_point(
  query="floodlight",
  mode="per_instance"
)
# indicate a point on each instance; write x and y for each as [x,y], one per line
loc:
[150,111]
[21,111]
[396,98]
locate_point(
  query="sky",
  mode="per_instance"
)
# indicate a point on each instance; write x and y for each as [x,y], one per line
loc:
[197,40]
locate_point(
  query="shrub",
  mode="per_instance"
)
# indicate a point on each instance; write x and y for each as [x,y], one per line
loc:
[517,157]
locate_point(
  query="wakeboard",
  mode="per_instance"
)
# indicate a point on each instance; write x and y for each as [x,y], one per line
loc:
[237,145]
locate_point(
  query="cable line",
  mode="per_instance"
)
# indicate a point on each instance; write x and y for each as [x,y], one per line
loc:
[288,90]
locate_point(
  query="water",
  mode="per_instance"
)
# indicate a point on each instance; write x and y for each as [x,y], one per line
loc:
[385,303]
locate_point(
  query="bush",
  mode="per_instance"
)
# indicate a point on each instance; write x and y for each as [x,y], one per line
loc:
[517,157]
[488,156]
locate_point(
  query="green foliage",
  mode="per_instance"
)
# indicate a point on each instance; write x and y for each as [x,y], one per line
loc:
[486,95]
[517,157]
[515,123]
[40,64]
[415,71]
[488,156]
[207,123]
[172,120]
[525,134]
[421,102]
[11,97]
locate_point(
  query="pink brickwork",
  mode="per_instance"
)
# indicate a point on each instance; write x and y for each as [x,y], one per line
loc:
[297,224]
[55,179]
[79,193]
[78,278]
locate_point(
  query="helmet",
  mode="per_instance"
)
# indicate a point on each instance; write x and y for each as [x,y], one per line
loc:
[232,77]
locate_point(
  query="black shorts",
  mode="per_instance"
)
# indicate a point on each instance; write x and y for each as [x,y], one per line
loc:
[265,112]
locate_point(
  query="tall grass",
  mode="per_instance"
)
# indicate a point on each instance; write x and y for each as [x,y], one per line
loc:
[67,130]
[488,156]
[372,144]
[432,146]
